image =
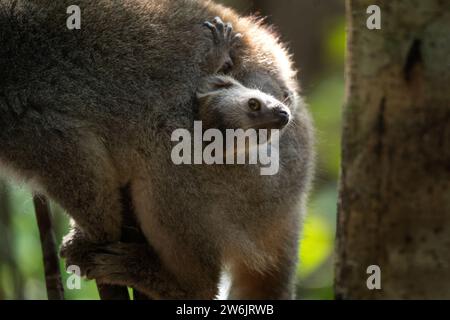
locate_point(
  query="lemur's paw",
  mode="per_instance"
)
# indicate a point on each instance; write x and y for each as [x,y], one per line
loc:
[224,39]
[223,32]
[77,252]
[119,263]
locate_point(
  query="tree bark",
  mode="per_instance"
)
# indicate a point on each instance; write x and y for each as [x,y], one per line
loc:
[130,233]
[394,208]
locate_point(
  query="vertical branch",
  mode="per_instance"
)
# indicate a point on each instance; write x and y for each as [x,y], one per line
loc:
[130,233]
[51,266]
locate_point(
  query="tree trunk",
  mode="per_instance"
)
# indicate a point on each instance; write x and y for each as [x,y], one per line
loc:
[394,208]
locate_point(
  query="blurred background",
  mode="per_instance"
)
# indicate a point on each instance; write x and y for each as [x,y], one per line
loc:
[315,33]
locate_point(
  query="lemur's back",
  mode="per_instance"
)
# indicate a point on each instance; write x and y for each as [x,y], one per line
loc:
[126,56]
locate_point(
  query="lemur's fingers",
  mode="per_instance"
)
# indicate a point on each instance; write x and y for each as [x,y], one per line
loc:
[236,38]
[209,25]
[103,267]
[214,31]
[219,24]
[223,33]
[228,31]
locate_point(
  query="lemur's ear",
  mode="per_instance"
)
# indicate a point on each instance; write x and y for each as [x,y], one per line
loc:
[214,83]
[221,82]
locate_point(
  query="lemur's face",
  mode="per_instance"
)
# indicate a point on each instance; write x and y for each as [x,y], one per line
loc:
[224,103]
[271,85]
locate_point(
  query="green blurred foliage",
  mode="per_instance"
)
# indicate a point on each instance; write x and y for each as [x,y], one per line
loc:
[315,275]
[315,272]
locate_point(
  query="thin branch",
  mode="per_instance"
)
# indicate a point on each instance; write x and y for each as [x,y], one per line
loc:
[53,281]
[130,233]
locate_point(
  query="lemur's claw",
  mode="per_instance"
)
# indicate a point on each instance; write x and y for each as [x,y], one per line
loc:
[236,39]
[208,25]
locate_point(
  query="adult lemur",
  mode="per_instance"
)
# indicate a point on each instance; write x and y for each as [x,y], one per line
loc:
[85,112]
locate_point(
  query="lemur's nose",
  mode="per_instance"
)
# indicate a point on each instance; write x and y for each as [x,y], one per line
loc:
[282,114]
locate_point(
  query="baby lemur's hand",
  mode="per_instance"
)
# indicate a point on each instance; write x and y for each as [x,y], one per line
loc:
[224,40]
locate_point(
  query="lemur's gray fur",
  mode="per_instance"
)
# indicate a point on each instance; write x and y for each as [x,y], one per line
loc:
[85,112]
[224,103]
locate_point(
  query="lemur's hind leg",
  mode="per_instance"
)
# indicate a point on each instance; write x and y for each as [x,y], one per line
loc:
[69,164]
[277,280]
[138,266]
[250,284]
[176,262]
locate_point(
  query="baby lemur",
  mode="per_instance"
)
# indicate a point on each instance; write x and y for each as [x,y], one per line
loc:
[84,113]
[225,103]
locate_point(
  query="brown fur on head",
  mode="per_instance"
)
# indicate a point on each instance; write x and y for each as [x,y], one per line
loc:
[225,103]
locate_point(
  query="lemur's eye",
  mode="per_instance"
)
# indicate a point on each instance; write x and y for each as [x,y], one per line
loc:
[254,104]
